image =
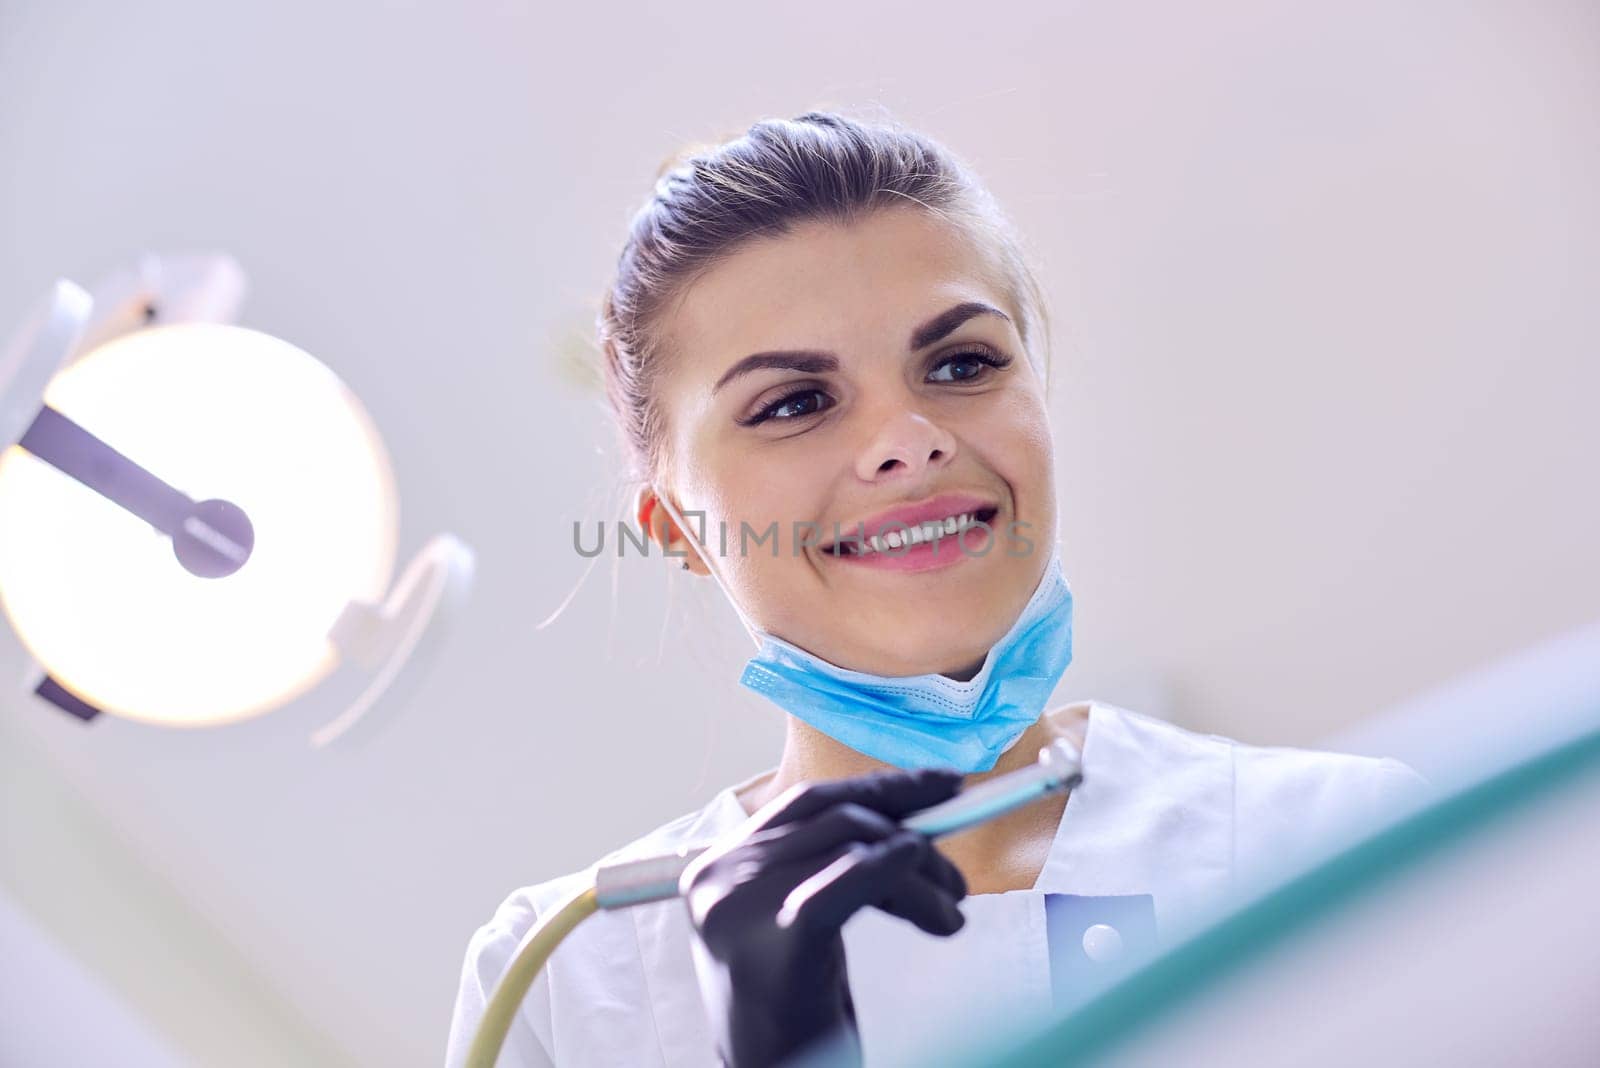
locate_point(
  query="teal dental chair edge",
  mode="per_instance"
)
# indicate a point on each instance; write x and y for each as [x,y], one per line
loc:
[1106,1020]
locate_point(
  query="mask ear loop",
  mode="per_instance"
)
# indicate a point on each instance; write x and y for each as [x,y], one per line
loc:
[705,555]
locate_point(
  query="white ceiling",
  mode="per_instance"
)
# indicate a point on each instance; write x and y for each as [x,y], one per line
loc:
[1323,281]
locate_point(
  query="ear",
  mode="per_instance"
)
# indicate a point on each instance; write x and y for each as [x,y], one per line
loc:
[653,519]
[657,522]
[644,506]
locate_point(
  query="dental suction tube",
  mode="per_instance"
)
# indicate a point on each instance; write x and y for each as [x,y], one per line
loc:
[655,878]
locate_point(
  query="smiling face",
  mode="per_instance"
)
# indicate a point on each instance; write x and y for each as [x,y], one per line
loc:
[912,384]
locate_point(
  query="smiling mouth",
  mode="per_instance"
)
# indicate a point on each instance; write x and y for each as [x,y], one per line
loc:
[897,541]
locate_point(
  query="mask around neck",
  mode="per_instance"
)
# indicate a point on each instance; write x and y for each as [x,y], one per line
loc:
[928,720]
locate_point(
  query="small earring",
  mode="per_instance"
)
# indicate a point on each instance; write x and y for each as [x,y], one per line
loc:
[686,565]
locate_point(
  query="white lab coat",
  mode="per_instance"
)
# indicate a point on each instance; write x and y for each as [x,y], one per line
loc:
[1162,811]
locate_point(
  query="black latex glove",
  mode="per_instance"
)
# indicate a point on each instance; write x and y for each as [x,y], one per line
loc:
[768,905]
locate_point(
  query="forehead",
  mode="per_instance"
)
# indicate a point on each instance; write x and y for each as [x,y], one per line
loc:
[829,285]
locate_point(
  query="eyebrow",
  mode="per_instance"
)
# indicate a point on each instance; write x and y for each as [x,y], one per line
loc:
[810,361]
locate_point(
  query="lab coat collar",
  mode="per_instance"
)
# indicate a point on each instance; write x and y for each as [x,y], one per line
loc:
[1153,815]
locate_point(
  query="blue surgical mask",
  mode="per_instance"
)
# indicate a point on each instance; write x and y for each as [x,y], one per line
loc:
[915,721]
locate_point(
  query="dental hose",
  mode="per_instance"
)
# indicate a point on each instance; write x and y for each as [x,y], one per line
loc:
[636,882]
[535,949]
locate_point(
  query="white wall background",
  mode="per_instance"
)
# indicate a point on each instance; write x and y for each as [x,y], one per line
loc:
[37,972]
[1324,282]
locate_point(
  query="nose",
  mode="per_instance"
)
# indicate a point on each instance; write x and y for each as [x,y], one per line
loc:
[906,444]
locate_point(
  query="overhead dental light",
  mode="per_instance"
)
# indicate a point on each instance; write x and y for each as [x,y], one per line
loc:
[198,521]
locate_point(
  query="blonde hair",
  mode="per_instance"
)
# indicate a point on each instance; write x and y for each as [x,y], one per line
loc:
[709,199]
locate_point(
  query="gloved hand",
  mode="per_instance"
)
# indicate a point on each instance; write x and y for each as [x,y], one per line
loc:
[768,906]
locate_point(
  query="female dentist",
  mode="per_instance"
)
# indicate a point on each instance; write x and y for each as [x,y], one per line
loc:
[826,356]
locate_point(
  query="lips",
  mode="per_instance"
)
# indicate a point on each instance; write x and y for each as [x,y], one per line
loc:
[904,517]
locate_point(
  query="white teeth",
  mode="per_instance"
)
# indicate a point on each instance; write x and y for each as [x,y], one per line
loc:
[931,530]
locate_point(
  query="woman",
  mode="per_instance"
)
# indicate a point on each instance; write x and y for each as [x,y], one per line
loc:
[827,358]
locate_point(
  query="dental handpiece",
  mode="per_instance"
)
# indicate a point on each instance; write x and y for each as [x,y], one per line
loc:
[1059,767]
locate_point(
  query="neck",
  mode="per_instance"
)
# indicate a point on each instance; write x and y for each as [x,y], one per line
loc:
[811,756]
